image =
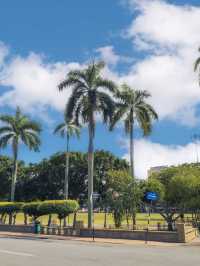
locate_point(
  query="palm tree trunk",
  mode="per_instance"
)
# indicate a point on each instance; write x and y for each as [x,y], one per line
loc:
[90,175]
[66,184]
[132,172]
[14,177]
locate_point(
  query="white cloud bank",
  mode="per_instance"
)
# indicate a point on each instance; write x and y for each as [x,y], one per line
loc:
[31,83]
[169,35]
[149,154]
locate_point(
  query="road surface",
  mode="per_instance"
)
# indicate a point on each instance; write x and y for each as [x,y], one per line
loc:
[43,252]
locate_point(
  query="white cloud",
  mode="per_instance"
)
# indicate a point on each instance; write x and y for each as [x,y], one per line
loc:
[164,24]
[32,84]
[169,35]
[108,55]
[3,53]
[149,154]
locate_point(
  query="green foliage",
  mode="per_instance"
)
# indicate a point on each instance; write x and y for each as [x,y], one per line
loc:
[68,129]
[155,185]
[132,107]
[19,128]
[180,187]
[15,130]
[180,184]
[45,180]
[6,166]
[60,207]
[89,95]
[123,195]
[36,209]
[32,209]
[10,208]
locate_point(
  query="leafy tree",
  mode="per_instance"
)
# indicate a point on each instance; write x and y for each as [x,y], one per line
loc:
[123,196]
[132,108]
[6,165]
[18,129]
[89,97]
[104,162]
[132,201]
[180,186]
[155,185]
[167,211]
[69,130]
[45,180]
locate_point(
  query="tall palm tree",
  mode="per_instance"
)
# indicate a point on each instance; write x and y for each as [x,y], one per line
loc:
[132,107]
[18,129]
[197,66]
[68,130]
[91,95]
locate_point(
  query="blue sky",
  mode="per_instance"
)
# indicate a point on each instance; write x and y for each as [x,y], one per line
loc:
[148,44]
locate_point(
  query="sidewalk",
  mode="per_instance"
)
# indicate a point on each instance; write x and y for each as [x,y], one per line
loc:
[97,240]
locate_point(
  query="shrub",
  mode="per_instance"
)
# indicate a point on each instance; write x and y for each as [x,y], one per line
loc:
[11,209]
[36,209]
[32,209]
[60,207]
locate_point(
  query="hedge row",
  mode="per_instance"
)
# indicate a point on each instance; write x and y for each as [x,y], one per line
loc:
[36,209]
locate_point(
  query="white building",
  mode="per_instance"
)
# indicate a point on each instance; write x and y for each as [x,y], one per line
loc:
[156,169]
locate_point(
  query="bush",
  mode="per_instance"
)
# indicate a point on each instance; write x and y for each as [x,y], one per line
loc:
[60,207]
[39,208]
[11,209]
[32,209]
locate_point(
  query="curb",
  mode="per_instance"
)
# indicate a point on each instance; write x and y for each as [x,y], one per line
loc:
[90,240]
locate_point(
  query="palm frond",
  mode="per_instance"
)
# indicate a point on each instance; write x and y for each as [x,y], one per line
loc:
[31,125]
[196,64]
[4,140]
[18,127]
[60,129]
[8,119]
[5,129]
[106,84]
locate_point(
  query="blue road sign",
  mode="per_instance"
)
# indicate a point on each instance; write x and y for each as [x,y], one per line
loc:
[151,196]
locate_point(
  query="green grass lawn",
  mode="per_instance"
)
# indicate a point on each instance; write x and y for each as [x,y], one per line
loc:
[142,219]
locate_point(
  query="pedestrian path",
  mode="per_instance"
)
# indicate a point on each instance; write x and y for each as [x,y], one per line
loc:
[97,240]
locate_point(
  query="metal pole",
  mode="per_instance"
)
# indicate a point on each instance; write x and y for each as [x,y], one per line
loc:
[93,224]
[148,225]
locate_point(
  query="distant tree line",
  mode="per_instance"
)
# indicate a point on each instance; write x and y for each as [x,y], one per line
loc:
[45,180]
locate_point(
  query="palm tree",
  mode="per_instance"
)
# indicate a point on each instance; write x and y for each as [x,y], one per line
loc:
[18,129]
[91,95]
[132,108]
[197,66]
[68,129]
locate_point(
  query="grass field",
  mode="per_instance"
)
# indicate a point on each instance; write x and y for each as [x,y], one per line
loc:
[142,219]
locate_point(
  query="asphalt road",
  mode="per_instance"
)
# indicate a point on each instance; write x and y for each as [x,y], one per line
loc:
[32,252]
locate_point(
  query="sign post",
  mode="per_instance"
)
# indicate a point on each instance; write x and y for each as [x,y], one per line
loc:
[95,197]
[150,197]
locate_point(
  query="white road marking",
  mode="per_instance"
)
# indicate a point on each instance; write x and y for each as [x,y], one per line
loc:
[16,253]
